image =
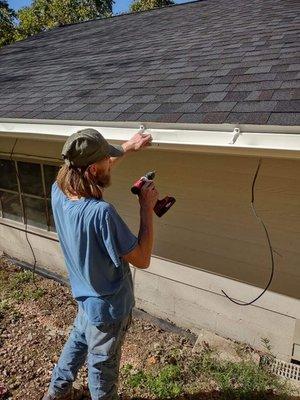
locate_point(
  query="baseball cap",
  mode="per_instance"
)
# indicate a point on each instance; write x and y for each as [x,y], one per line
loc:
[87,146]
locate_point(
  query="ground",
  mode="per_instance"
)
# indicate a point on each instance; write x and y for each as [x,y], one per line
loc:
[157,363]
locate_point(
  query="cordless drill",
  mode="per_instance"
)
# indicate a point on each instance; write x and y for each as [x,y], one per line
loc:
[161,206]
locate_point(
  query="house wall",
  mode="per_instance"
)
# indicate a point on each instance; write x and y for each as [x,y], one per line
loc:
[208,242]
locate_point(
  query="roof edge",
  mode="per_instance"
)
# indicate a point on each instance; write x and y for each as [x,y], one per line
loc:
[235,139]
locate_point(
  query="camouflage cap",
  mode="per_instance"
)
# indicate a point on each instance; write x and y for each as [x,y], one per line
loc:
[87,146]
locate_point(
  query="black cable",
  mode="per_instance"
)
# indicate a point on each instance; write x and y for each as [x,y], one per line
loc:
[25,216]
[268,240]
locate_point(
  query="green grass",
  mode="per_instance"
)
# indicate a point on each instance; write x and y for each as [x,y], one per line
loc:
[4,307]
[19,286]
[234,381]
[164,384]
[239,381]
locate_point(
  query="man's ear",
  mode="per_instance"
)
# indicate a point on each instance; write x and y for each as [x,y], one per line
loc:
[92,169]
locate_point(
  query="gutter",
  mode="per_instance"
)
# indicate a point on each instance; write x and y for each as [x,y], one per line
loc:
[245,140]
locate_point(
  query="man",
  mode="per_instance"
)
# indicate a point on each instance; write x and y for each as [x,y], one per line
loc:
[97,247]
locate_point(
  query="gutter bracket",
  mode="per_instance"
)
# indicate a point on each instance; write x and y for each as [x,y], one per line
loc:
[236,134]
[142,129]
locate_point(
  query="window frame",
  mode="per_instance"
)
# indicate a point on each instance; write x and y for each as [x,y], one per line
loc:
[21,196]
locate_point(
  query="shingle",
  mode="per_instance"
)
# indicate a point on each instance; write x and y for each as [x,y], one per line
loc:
[70,99]
[70,107]
[15,114]
[207,88]
[176,98]
[218,96]
[221,72]
[248,118]
[154,117]
[129,117]
[286,76]
[296,94]
[283,94]
[258,70]
[190,118]
[49,100]
[188,107]
[238,70]
[213,117]
[197,89]
[143,108]
[288,106]
[168,108]
[255,78]
[258,86]
[284,119]
[50,107]
[196,81]
[143,91]
[203,74]
[260,95]
[217,87]
[223,79]
[120,107]
[255,106]
[141,99]
[198,98]
[279,68]
[236,96]
[29,100]
[294,67]
[119,99]
[291,84]
[46,114]
[172,90]
[102,107]
[217,106]
[72,115]
[105,116]
[10,107]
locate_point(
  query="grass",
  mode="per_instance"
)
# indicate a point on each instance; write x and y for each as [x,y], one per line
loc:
[164,384]
[234,381]
[18,287]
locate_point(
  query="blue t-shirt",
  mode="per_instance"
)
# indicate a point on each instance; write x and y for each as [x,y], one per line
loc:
[93,238]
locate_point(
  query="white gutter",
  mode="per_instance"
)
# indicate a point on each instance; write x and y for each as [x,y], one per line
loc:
[247,140]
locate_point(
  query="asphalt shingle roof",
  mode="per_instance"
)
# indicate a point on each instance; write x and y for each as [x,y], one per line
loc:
[212,61]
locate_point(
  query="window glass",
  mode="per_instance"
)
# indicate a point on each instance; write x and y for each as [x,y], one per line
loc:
[31,178]
[8,177]
[50,173]
[35,212]
[11,207]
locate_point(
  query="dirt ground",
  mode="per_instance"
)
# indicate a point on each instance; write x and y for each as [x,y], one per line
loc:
[35,319]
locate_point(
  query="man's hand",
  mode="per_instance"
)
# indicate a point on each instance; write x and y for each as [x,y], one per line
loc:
[137,142]
[148,196]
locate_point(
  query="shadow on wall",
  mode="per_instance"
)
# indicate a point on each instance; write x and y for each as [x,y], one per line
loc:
[211,226]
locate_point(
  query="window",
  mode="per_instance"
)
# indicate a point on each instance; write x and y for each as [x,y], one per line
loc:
[28,200]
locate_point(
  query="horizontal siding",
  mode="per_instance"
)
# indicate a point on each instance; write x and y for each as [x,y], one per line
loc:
[211,226]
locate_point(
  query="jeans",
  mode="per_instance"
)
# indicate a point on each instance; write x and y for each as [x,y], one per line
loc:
[101,345]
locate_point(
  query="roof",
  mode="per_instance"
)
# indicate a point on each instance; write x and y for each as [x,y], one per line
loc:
[230,61]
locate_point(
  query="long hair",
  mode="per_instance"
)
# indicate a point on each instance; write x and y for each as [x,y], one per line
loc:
[79,181]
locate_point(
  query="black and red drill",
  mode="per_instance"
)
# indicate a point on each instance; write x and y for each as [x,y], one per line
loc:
[161,206]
